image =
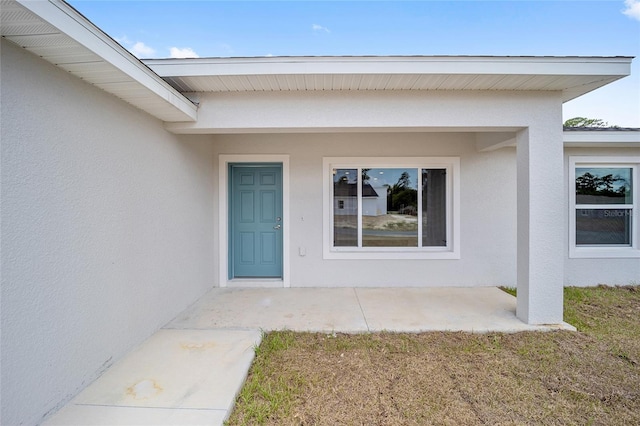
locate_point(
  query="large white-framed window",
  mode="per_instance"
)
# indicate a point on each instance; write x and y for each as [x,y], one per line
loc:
[603,207]
[391,208]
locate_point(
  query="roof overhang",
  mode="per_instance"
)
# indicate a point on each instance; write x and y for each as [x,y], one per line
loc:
[573,76]
[601,138]
[58,33]
[55,31]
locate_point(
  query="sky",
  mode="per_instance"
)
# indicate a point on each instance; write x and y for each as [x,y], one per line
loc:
[163,29]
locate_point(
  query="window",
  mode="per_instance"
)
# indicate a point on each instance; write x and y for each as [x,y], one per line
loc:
[604,201]
[391,208]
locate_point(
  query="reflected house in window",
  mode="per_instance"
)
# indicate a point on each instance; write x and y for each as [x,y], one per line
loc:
[374,199]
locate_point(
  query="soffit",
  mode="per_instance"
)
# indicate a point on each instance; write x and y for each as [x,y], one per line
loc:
[59,34]
[573,76]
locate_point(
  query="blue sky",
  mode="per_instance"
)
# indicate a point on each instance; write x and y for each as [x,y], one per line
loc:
[159,29]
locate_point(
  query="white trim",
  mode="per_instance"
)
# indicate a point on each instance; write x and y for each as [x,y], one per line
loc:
[395,65]
[604,251]
[452,251]
[601,138]
[87,35]
[223,216]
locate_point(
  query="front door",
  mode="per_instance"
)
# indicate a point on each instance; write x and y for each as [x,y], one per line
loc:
[255,220]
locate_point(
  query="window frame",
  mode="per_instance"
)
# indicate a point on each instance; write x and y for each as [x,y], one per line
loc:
[450,251]
[604,251]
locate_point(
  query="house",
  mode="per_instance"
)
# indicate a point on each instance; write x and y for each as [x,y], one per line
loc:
[345,199]
[130,188]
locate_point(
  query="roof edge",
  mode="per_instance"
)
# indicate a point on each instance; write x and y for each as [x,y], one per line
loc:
[601,137]
[454,65]
[76,26]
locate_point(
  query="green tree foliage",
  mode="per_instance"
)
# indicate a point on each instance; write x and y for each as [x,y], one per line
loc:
[586,122]
[401,197]
[588,184]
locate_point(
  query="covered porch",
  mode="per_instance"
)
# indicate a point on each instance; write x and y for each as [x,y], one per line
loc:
[190,371]
[495,122]
[358,310]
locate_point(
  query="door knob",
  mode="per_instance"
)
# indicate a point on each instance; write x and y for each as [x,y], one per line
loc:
[277,227]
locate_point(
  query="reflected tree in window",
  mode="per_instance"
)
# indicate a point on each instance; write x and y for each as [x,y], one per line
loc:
[403,199]
[603,186]
[597,190]
[389,207]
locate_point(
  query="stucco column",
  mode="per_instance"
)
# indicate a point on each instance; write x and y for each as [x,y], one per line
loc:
[540,224]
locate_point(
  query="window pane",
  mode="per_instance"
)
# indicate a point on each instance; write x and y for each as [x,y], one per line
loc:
[389,207]
[603,185]
[345,207]
[603,226]
[434,207]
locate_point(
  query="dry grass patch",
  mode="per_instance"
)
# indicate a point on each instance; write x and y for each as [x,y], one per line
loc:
[589,377]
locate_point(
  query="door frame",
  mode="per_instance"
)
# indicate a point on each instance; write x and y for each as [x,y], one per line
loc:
[224,160]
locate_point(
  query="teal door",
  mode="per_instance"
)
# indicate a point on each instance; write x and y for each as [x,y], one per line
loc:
[255,220]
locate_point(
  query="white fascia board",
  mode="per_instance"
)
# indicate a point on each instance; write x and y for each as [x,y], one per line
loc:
[606,66]
[77,27]
[601,138]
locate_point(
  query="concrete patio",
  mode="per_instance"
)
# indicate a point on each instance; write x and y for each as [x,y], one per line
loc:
[190,371]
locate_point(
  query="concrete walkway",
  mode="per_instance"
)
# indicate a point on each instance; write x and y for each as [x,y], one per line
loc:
[191,370]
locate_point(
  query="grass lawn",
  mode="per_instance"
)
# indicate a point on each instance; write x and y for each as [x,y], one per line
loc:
[561,377]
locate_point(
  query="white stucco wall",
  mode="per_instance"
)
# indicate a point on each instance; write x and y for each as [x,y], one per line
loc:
[488,210]
[594,271]
[376,110]
[535,116]
[106,231]
[488,213]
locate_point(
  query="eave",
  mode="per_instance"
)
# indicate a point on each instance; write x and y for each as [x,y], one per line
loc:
[55,31]
[602,138]
[573,76]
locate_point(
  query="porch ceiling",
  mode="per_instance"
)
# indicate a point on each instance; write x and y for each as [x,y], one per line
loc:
[59,34]
[573,76]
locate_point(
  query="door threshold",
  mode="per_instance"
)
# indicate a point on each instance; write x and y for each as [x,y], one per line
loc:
[256,283]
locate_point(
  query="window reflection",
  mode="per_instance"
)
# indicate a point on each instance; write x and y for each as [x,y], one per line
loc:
[389,207]
[600,185]
[345,207]
[596,189]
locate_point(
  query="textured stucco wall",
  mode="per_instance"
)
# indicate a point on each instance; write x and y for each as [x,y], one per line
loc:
[259,112]
[540,230]
[594,271]
[535,115]
[488,208]
[488,212]
[106,231]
